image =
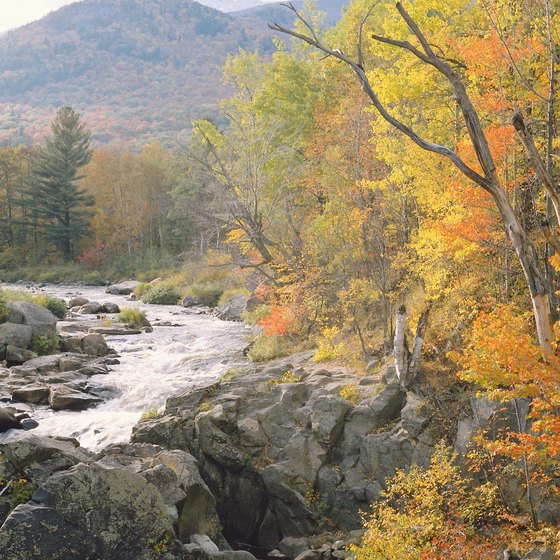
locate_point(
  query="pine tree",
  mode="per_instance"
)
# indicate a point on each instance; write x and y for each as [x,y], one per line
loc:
[60,205]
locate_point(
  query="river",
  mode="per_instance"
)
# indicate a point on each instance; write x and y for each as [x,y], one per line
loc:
[153,366]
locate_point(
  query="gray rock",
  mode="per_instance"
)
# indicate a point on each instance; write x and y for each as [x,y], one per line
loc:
[38,457]
[544,553]
[206,543]
[109,307]
[38,532]
[118,509]
[292,547]
[36,393]
[327,418]
[233,555]
[310,555]
[29,424]
[94,344]
[190,301]
[77,301]
[232,308]
[91,308]
[15,335]
[67,398]
[15,355]
[41,320]
[415,416]
[8,420]
[123,288]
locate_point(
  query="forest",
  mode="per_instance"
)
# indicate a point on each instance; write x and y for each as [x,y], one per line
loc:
[385,186]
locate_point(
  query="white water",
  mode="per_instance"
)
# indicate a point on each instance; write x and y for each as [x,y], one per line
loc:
[153,367]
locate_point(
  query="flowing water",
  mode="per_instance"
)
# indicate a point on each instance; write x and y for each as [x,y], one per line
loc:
[153,366]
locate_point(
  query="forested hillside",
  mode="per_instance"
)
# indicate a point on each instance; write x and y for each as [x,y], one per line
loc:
[136,69]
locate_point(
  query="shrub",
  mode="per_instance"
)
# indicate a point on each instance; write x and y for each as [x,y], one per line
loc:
[226,294]
[351,393]
[141,289]
[132,316]
[161,294]
[266,348]
[253,317]
[94,278]
[287,377]
[207,294]
[43,345]
[327,347]
[150,414]
[21,491]
[4,311]
[56,306]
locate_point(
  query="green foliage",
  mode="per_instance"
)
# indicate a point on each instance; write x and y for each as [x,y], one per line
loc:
[44,345]
[58,203]
[287,377]
[207,294]
[4,311]
[161,294]
[253,317]
[132,316]
[231,292]
[20,491]
[265,348]
[231,374]
[56,306]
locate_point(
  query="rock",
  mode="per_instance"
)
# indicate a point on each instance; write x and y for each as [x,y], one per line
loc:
[232,308]
[132,297]
[91,308]
[15,355]
[94,344]
[111,331]
[252,303]
[8,420]
[38,457]
[293,547]
[36,393]
[117,509]
[67,398]
[15,335]
[123,288]
[414,415]
[233,555]
[190,301]
[327,418]
[42,365]
[77,301]
[38,532]
[205,542]
[310,555]
[41,320]
[29,424]
[544,553]
[109,307]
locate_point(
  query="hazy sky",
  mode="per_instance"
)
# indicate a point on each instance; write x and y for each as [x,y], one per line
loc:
[14,13]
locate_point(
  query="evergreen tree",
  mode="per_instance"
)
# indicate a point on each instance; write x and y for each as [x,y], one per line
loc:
[60,205]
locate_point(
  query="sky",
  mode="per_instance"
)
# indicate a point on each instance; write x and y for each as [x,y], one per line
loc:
[14,13]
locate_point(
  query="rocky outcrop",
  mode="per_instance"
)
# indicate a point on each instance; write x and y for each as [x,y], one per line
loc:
[232,308]
[292,459]
[132,502]
[41,321]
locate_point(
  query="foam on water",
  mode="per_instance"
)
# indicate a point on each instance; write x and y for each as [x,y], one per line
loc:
[154,366]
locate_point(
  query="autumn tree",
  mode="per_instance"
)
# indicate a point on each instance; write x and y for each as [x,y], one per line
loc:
[482,170]
[60,205]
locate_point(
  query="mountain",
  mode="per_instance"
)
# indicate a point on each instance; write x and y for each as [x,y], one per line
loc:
[135,69]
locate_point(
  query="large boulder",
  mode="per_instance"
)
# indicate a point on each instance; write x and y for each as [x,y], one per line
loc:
[91,308]
[68,398]
[38,532]
[123,288]
[8,420]
[117,509]
[94,344]
[36,393]
[232,308]
[15,335]
[77,301]
[38,457]
[41,320]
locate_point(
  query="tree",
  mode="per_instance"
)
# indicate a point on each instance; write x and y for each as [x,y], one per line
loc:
[482,172]
[61,206]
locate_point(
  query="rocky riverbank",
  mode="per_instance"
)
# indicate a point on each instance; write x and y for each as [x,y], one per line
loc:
[279,458]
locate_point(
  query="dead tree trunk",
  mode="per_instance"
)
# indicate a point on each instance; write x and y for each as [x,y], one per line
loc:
[407,363]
